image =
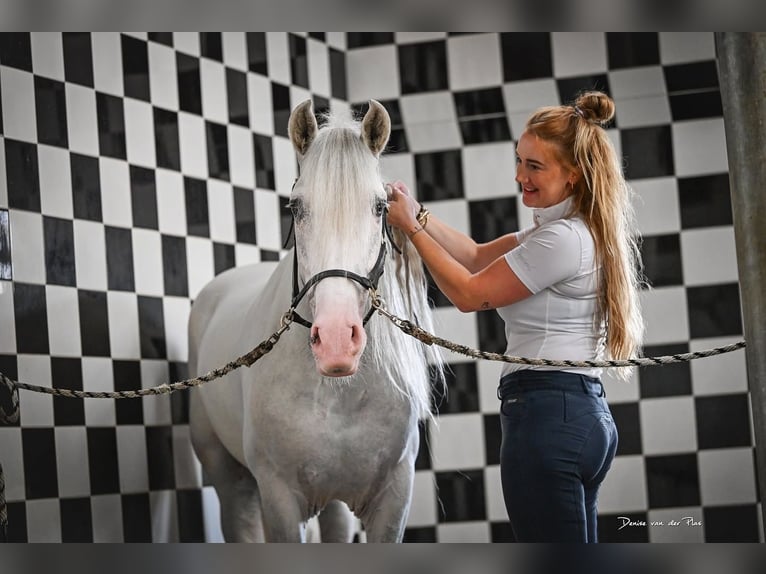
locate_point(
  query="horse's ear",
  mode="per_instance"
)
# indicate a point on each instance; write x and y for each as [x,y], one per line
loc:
[302,127]
[376,127]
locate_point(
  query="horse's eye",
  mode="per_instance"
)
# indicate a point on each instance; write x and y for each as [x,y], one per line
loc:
[381,206]
[296,206]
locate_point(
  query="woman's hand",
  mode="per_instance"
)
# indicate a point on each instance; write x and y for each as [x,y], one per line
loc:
[402,208]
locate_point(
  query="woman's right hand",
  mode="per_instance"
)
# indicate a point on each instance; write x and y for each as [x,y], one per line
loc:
[402,207]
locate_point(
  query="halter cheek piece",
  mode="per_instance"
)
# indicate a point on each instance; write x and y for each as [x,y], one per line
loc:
[369,283]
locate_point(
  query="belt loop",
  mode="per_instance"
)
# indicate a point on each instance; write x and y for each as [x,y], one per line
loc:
[603,391]
[584,384]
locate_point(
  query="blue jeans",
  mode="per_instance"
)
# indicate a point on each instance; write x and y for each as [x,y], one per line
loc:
[559,440]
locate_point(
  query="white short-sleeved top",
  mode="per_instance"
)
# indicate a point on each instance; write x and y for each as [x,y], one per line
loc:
[556,261]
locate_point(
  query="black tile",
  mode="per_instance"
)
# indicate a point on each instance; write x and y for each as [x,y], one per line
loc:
[624,527]
[491,330]
[16,50]
[661,255]
[59,251]
[211,45]
[321,36]
[136,517]
[714,311]
[162,38]
[166,139]
[268,255]
[485,130]
[66,373]
[159,454]
[111,126]
[462,495]
[223,257]
[6,268]
[257,57]
[696,105]
[38,446]
[462,393]
[338,88]
[423,460]
[174,266]
[102,447]
[365,39]
[119,259]
[76,520]
[419,534]
[217,150]
[492,218]
[190,516]
[143,195]
[78,58]
[30,311]
[151,326]
[17,522]
[127,377]
[179,401]
[672,480]
[94,323]
[299,65]
[632,49]
[236,94]
[197,221]
[244,215]
[493,437]
[570,88]
[135,68]
[286,226]
[673,379]
[723,421]
[731,523]
[423,67]
[479,103]
[264,162]
[1,111]
[526,55]
[189,84]
[501,532]
[22,175]
[705,201]
[648,152]
[50,111]
[321,105]
[280,99]
[439,175]
[693,90]
[86,187]
[628,422]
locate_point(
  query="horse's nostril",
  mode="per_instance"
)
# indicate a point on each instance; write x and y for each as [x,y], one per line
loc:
[314,339]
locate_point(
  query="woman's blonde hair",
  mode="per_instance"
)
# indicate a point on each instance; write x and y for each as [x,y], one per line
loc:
[602,198]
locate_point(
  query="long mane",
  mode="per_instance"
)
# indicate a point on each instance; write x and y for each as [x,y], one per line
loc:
[354,182]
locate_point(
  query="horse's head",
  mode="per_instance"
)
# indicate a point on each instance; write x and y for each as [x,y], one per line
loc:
[338,205]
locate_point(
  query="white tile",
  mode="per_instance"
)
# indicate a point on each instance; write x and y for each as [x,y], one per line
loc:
[147,262]
[488,375]
[7,319]
[474,61]
[398,167]
[211,510]
[298,95]
[245,254]
[463,532]
[116,201]
[140,35]
[48,55]
[727,476]
[642,112]
[90,255]
[699,147]
[43,520]
[97,375]
[285,165]
[27,246]
[63,321]
[372,73]
[132,458]
[164,510]
[3,176]
[618,390]
[139,133]
[493,494]
[668,425]
[157,410]
[319,67]
[188,472]
[122,310]
[656,205]
[267,227]
[278,57]
[457,327]
[682,47]
[709,256]
[489,170]
[176,311]
[624,489]
[260,107]
[36,408]
[17,92]
[431,121]
[665,315]
[637,83]
[220,201]
[55,181]
[187,42]
[199,252]
[72,461]
[411,37]
[191,134]
[676,525]
[82,119]
[171,202]
[526,96]
[107,63]
[578,53]
[457,442]
[13,463]
[235,50]
[163,76]
[721,374]
[215,105]
[106,514]
[241,158]
[423,510]
[452,212]
[336,40]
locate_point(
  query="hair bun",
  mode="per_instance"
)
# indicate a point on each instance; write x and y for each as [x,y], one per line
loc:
[595,107]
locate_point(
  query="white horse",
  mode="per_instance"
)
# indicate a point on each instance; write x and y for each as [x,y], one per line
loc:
[328,420]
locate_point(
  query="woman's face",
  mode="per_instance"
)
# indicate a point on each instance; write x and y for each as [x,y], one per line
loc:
[544,180]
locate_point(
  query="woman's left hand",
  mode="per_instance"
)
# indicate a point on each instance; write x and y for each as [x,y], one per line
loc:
[402,207]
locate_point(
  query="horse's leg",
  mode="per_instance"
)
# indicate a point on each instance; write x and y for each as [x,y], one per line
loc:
[336,522]
[387,512]
[236,488]
[282,515]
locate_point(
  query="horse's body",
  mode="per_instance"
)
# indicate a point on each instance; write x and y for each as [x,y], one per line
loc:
[330,414]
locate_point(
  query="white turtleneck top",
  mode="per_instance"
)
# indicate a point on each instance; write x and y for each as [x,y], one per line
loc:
[555,259]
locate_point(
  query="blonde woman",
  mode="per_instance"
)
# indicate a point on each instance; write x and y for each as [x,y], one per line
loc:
[566,288]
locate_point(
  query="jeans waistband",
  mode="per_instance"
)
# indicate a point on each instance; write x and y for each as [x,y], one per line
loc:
[534,380]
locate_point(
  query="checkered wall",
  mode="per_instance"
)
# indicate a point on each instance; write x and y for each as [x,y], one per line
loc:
[135,167]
